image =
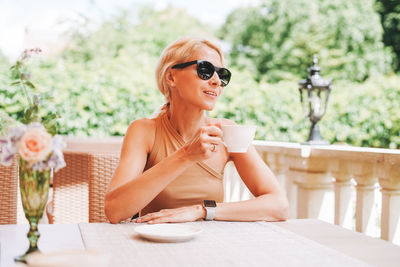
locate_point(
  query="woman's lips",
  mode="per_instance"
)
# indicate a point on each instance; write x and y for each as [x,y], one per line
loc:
[210,93]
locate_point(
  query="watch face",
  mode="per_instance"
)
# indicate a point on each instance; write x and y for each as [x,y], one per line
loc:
[210,203]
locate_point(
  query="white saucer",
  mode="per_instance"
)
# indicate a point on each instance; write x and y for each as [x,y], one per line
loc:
[168,232]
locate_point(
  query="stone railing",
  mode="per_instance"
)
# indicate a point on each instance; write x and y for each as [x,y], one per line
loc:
[322,182]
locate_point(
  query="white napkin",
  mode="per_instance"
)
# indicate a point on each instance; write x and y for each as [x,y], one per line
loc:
[68,258]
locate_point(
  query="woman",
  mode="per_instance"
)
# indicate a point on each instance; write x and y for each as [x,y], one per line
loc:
[170,164]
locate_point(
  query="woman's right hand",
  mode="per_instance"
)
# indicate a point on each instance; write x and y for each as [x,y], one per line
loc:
[204,144]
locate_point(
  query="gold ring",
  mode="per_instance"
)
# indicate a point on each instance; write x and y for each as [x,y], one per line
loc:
[213,148]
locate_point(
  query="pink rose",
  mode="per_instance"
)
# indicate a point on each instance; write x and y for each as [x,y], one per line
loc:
[35,145]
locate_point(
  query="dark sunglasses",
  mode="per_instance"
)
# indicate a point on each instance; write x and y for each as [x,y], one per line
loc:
[205,70]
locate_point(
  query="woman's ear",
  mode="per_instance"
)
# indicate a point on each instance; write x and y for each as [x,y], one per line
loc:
[170,79]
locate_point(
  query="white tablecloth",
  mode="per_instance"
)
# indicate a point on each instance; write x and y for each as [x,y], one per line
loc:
[220,244]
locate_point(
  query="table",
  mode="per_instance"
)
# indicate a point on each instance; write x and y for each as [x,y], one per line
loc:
[53,237]
[300,242]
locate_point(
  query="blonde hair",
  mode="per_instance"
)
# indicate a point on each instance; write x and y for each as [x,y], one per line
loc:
[178,52]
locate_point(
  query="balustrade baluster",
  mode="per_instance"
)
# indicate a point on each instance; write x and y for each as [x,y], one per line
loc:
[314,184]
[364,175]
[343,189]
[389,180]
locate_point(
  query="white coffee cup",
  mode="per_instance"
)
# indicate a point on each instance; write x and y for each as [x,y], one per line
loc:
[237,138]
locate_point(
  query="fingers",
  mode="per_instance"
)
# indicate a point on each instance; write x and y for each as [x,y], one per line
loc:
[210,134]
[154,219]
[217,123]
[162,220]
[207,141]
[184,214]
[210,137]
[207,148]
[150,217]
[211,130]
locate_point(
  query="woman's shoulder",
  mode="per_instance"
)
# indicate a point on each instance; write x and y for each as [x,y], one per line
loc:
[141,132]
[143,124]
[141,129]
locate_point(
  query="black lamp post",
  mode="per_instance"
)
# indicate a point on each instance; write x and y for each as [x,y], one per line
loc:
[314,96]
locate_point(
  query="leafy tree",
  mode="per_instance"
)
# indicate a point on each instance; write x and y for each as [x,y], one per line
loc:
[104,79]
[368,116]
[390,18]
[277,38]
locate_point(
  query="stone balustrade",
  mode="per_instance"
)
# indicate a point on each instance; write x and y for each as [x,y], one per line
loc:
[320,180]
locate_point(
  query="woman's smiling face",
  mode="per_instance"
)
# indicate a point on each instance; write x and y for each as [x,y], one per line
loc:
[190,89]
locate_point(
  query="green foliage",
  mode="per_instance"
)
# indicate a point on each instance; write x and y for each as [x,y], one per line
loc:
[358,114]
[390,18]
[277,38]
[22,85]
[365,114]
[104,79]
[5,119]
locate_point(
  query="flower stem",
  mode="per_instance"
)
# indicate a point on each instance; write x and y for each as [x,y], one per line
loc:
[26,94]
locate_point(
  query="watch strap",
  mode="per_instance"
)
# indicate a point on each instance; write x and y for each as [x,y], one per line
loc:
[210,206]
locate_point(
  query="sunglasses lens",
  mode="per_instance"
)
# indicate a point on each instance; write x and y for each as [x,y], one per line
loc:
[224,75]
[205,70]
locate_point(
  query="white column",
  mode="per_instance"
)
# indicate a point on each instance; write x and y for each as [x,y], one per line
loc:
[364,169]
[314,196]
[343,200]
[389,180]
[366,216]
[309,184]
[291,193]
[390,220]
[343,188]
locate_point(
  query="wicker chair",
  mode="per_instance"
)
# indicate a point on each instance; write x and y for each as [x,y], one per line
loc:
[101,170]
[71,200]
[70,190]
[8,193]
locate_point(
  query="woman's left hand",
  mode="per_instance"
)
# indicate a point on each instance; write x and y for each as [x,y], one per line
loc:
[184,214]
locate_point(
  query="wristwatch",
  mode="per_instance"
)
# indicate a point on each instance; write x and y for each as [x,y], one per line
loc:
[210,206]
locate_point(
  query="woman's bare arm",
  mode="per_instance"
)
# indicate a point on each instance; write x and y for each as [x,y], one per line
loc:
[270,202]
[131,189]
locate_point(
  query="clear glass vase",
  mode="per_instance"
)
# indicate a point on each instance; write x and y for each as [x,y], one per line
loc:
[34,188]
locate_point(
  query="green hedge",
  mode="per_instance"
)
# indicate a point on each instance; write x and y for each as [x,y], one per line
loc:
[361,114]
[105,79]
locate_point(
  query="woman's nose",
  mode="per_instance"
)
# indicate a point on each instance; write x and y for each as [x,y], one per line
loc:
[214,80]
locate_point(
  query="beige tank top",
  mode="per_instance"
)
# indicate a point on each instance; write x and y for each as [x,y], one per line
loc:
[195,184]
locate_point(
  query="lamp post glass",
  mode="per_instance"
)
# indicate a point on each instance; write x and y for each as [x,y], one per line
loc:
[314,96]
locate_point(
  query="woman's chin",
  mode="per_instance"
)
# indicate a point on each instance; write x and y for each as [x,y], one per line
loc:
[209,107]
